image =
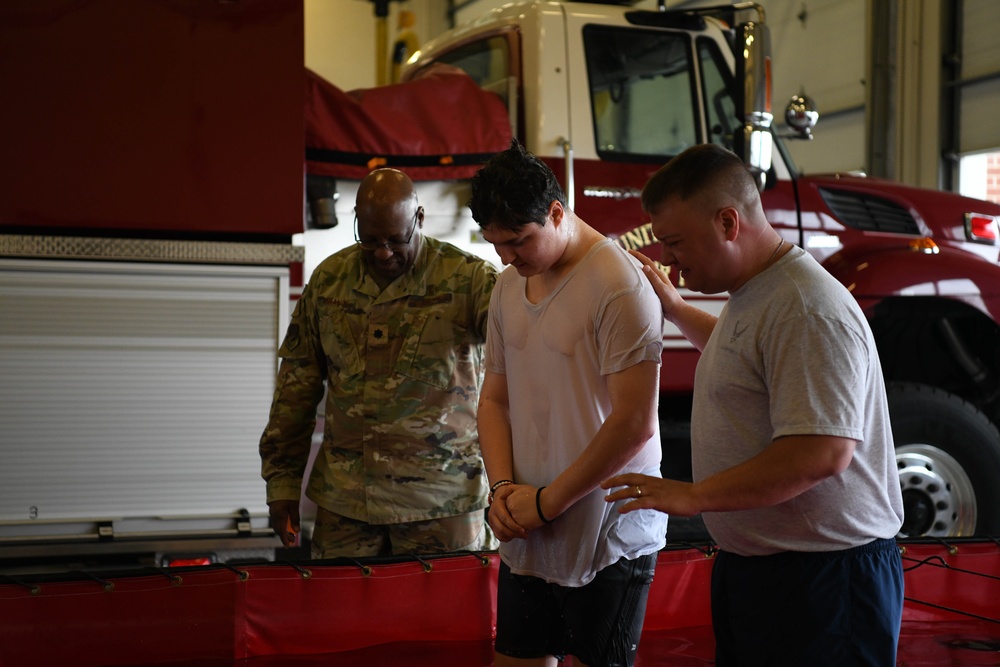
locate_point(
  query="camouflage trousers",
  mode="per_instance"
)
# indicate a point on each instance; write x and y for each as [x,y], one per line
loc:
[338,536]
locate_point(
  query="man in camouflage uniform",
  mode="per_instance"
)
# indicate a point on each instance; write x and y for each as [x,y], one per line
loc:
[393,326]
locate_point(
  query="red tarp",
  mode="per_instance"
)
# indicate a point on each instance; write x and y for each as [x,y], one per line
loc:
[439,126]
[439,611]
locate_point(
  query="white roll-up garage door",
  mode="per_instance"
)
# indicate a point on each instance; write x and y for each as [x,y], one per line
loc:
[980,91]
[134,390]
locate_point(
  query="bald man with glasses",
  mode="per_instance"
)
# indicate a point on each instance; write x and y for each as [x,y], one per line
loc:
[392,330]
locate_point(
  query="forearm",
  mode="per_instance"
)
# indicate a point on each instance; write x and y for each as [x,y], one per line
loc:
[787,468]
[495,441]
[284,456]
[616,443]
[695,324]
[287,439]
[627,429]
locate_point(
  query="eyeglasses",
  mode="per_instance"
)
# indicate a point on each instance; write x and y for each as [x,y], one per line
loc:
[391,246]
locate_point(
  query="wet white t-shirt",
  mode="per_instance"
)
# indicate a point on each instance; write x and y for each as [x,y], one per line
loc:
[601,319]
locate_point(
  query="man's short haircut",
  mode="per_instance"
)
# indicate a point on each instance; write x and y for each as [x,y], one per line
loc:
[514,188]
[693,171]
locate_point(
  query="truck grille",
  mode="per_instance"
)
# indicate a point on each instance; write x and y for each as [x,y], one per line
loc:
[869,213]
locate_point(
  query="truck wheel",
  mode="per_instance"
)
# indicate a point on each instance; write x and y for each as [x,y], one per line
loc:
[948,454]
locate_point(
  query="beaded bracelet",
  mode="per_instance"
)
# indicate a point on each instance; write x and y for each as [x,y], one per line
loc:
[538,505]
[493,489]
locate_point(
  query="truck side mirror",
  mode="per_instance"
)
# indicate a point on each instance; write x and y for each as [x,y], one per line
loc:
[801,115]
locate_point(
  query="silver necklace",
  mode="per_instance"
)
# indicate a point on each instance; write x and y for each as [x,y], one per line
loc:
[774,254]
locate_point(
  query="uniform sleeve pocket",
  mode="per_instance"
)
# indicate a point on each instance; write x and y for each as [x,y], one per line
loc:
[339,347]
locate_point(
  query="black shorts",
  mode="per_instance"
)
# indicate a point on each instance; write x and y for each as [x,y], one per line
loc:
[599,623]
[791,609]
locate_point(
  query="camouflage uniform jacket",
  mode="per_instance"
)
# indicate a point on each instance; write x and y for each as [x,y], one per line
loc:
[403,368]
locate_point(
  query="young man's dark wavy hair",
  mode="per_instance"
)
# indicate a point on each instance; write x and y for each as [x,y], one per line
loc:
[512,189]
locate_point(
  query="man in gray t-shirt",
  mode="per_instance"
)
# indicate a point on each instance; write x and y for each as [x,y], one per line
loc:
[793,460]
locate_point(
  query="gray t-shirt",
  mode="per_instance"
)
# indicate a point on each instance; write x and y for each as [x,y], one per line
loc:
[792,354]
[601,319]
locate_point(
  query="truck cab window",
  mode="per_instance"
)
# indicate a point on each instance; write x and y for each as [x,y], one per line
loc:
[488,62]
[717,83]
[641,92]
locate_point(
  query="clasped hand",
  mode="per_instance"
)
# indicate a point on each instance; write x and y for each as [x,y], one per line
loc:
[513,513]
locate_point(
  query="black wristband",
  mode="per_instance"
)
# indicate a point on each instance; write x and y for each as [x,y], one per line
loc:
[538,505]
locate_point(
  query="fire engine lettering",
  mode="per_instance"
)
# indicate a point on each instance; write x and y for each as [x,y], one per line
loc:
[637,238]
